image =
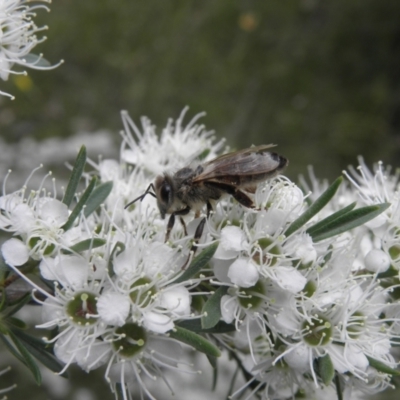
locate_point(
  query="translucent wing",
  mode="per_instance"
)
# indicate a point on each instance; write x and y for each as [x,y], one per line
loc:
[242,168]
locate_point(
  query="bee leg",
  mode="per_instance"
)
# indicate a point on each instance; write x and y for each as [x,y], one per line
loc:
[197,236]
[170,225]
[243,199]
[184,225]
[209,209]
[238,195]
[171,221]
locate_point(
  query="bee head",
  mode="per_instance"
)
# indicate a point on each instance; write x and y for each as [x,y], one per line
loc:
[165,193]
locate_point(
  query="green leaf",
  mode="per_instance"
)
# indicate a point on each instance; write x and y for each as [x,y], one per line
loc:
[213,362]
[38,349]
[86,245]
[198,263]
[326,369]
[3,295]
[97,197]
[28,360]
[381,367]
[16,323]
[11,348]
[315,207]
[338,387]
[75,177]
[349,221]
[196,341]
[212,309]
[78,208]
[196,326]
[331,218]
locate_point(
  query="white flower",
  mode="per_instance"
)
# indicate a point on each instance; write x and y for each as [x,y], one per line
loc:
[18,37]
[176,147]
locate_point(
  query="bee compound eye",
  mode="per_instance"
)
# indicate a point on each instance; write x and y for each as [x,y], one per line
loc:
[165,193]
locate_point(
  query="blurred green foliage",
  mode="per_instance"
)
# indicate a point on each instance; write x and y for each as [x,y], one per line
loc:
[320,78]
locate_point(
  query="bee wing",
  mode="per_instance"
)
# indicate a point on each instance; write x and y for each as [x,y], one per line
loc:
[242,168]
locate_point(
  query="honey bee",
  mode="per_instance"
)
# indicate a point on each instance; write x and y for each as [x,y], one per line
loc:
[190,188]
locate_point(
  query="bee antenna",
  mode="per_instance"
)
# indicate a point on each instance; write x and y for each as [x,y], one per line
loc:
[141,197]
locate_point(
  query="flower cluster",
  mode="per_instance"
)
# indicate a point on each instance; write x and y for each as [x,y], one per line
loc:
[18,37]
[300,290]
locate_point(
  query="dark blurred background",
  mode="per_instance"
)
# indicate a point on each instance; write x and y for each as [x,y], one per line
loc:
[320,78]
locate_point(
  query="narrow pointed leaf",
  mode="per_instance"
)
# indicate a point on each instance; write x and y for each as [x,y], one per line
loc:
[38,349]
[12,349]
[196,341]
[331,218]
[213,362]
[97,197]
[198,263]
[326,369]
[315,207]
[78,208]
[381,367]
[28,360]
[75,177]
[212,309]
[13,322]
[86,245]
[338,387]
[194,325]
[349,221]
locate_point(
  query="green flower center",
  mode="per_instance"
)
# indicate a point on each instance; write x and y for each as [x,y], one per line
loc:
[132,339]
[252,297]
[318,332]
[141,292]
[81,307]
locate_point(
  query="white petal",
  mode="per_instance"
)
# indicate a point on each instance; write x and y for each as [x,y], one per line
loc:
[176,300]
[274,220]
[53,212]
[289,279]
[52,311]
[66,347]
[377,261]
[159,323]
[243,272]
[232,241]
[113,308]
[228,307]
[15,252]
[125,263]
[158,258]
[93,357]
[221,268]
[298,358]
[22,218]
[50,269]
[75,269]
